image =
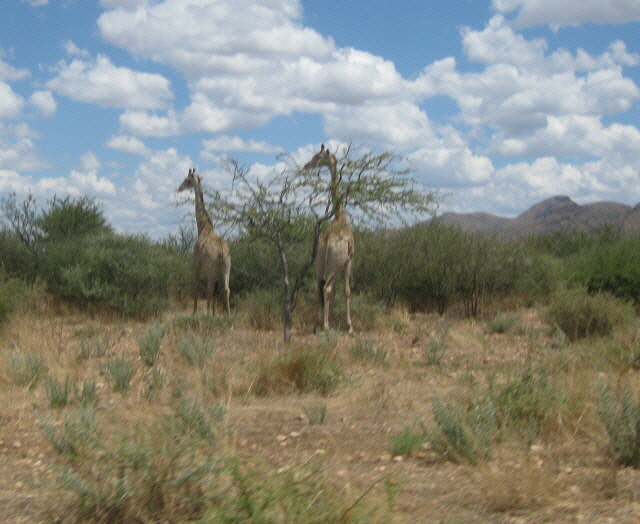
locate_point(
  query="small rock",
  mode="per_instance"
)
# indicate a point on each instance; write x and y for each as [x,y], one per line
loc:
[17,444]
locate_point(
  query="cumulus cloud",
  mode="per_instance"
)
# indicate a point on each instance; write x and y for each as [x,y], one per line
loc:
[516,93]
[128,144]
[11,103]
[569,12]
[100,81]
[82,181]
[226,143]
[9,73]
[44,102]
[243,71]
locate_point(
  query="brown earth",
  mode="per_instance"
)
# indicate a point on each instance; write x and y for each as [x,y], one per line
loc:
[564,476]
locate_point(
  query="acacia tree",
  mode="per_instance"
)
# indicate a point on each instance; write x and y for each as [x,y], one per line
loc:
[293,205]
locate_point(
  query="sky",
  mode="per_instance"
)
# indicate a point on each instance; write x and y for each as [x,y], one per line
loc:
[497,104]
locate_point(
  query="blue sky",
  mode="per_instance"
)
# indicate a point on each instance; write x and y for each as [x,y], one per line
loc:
[497,103]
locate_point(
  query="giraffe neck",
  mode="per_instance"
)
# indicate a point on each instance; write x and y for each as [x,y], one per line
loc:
[202,217]
[336,198]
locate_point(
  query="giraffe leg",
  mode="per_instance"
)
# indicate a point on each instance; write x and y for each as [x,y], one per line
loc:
[196,287]
[347,294]
[329,293]
[211,305]
[320,295]
[227,291]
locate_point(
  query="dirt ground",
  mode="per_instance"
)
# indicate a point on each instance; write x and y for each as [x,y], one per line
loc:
[565,477]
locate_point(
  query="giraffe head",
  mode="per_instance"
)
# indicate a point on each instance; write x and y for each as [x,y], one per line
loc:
[323,158]
[191,182]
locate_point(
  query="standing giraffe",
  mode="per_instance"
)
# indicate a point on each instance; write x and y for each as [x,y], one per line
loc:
[335,245]
[210,251]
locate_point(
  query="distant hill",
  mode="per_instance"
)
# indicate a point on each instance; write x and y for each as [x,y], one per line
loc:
[554,214]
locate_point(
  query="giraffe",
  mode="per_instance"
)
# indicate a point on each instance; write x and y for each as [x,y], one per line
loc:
[335,245]
[210,251]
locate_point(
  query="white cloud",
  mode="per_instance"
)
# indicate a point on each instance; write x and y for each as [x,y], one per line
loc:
[399,125]
[569,12]
[36,3]
[11,103]
[147,124]
[18,155]
[244,70]
[72,49]
[44,102]
[235,143]
[103,83]
[9,73]
[128,144]
[516,94]
[83,181]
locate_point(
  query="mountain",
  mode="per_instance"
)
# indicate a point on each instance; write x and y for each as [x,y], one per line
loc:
[554,214]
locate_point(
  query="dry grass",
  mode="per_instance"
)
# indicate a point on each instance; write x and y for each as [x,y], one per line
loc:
[251,401]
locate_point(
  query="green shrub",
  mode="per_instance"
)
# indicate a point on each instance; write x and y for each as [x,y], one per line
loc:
[77,435]
[27,369]
[612,267]
[459,434]
[315,414]
[149,344]
[367,349]
[88,395]
[203,323]
[407,442]
[119,372]
[263,309]
[196,350]
[94,347]
[193,418]
[60,394]
[130,274]
[299,370]
[620,415]
[526,401]
[503,324]
[581,315]
[12,294]
[435,348]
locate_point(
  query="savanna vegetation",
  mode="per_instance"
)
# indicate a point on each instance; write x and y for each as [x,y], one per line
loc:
[487,381]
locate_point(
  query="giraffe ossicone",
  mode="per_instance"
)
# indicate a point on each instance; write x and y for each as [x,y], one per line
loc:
[210,252]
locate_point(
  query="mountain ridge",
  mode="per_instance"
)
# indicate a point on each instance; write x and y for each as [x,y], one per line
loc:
[558,213]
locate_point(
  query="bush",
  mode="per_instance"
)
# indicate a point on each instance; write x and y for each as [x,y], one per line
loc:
[60,394]
[196,350]
[611,267]
[149,344]
[525,402]
[263,309]
[12,294]
[620,415]
[119,372]
[406,442]
[27,369]
[127,273]
[172,471]
[581,315]
[367,349]
[461,435]
[300,370]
